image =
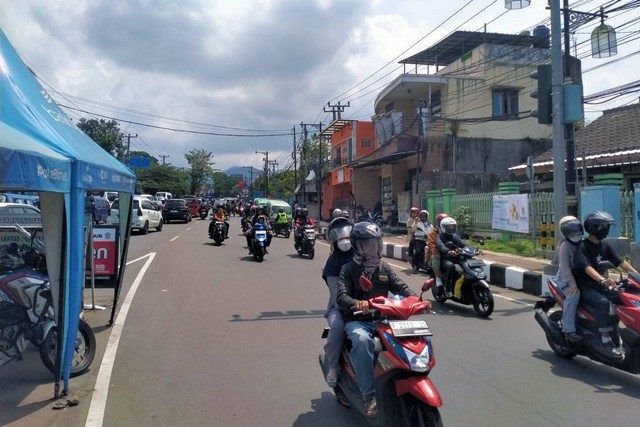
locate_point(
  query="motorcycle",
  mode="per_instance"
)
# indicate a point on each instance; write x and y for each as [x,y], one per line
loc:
[259,241]
[308,242]
[217,233]
[281,228]
[404,358]
[203,211]
[363,214]
[26,315]
[627,338]
[471,287]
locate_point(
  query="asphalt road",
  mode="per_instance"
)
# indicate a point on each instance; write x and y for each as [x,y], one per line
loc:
[213,338]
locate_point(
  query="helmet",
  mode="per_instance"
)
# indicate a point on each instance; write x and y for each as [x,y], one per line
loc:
[280,210]
[305,211]
[366,240]
[448,225]
[439,218]
[424,213]
[339,233]
[414,210]
[260,207]
[298,211]
[337,213]
[597,223]
[571,229]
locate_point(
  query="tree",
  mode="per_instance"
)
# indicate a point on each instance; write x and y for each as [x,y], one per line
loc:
[106,134]
[310,157]
[162,178]
[223,185]
[201,163]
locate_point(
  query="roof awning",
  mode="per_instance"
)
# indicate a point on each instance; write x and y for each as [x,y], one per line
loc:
[390,158]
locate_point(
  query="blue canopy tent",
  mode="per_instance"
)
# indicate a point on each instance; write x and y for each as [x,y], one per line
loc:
[42,150]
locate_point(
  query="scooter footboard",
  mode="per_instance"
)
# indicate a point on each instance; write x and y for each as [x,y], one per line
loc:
[420,387]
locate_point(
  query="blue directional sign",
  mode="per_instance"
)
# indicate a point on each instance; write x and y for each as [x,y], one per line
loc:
[140,162]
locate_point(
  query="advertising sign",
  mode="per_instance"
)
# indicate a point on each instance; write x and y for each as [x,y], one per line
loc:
[105,256]
[511,213]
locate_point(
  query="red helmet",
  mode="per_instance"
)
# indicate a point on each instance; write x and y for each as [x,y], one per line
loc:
[439,218]
[414,210]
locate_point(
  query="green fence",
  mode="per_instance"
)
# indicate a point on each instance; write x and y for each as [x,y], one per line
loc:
[541,209]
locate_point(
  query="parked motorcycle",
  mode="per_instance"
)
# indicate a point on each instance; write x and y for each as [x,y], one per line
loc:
[203,211]
[281,228]
[627,338]
[308,242]
[217,232]
[471,287]
[404,358]
[26,315]
[363,214]
[259,241]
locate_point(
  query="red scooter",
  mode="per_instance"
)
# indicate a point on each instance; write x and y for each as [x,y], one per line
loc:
[404,357]
[626,338]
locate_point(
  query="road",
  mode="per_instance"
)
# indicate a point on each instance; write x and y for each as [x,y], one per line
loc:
[213,338]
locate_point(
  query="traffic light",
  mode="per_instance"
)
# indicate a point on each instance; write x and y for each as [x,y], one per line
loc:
[542,94]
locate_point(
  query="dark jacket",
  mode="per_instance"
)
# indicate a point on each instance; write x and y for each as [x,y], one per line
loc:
[441,243]
[589,254]
[384,281]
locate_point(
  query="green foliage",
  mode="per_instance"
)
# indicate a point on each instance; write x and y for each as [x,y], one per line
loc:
[223,185]
[162,178]
[106,133]
[515,246]
[462,215]
[201,163]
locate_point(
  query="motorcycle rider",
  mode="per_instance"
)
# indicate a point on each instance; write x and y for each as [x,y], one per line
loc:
[364,277]
[597,289]
[259,212]
[281,218]
[411,229]
[572,230]
[448,243]
[338,234]
[432,255]
[423,227]
[219,215]
[301,221]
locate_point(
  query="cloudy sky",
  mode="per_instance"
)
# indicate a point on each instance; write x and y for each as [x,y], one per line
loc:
[236,76]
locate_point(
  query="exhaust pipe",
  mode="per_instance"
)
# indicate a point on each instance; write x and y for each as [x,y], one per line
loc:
[550,329]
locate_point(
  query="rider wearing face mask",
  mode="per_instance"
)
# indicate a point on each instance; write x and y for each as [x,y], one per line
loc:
[338,234]
[365,277]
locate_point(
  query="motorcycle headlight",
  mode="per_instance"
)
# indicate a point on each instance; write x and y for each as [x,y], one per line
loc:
[418,362]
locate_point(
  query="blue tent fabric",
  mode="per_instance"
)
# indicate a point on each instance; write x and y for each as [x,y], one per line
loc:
[35,124]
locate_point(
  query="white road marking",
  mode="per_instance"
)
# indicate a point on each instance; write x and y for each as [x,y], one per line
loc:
[175,238]
[95,416]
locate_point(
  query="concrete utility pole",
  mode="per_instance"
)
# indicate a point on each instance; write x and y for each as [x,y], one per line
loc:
[266,171]
[336,109]
[304,155]
[164,157]
[129,136]
[250,179]
[295,161]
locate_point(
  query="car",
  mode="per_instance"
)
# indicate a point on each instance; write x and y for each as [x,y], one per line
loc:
[110,196]
[98,207]
[176,209]
[192,201]
[145,215]
[25,215]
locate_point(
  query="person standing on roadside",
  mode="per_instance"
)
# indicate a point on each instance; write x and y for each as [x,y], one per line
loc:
[412,225]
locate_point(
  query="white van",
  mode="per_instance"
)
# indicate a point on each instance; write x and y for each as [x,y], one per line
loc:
[163,195]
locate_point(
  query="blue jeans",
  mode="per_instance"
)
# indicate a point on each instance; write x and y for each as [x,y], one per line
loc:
[569,308]
[361,336]
[600,300]
[333,347]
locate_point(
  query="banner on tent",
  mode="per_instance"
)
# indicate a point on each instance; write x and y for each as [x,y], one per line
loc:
[105,257]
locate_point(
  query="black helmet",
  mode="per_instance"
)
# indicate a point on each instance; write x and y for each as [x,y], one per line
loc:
[571,229]
[305,211]
[261,207]
[366,240]
[280,210]
[598,223]
[298,211]
[339,233]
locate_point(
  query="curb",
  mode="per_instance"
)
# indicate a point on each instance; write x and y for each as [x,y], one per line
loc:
[502,275]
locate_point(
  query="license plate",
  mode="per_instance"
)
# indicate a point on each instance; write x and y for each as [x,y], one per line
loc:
[174,211]
[409,328]
[261,233]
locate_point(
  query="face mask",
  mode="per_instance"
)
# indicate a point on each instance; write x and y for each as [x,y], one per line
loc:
[344,245]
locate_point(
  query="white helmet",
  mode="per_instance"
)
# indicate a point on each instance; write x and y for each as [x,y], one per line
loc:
[448,225]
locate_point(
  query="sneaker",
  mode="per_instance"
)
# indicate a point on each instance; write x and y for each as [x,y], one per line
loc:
[266,251]
[572,337]
[439,282]
[612,350]
[332,378]
[370,405]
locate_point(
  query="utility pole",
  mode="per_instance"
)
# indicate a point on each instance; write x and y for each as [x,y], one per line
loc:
[250,179]
[295,162]
[273,164]
[164,157]
[129,136]
[266,171]
[336,109]
[304,159]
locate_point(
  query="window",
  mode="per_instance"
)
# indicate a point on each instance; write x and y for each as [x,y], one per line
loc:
[366,143]
[505,103]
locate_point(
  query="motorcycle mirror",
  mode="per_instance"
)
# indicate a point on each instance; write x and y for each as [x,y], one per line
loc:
[365,283]
[427,284]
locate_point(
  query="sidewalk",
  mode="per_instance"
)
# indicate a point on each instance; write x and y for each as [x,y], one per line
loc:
[505,270]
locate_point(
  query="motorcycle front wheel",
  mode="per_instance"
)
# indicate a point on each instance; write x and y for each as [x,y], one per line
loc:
[311,251]
[422,415]
[483,302]
[85,349]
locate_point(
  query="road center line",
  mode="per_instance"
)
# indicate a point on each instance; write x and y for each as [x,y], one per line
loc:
[175,238]
[95,416]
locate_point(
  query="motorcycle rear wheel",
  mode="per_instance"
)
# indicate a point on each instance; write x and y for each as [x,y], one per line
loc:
[560,350]
[311,252]
[422,415]
[85,349]
[483,302]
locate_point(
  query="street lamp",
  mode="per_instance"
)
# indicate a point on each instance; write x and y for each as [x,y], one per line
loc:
[603,41]
[516,4]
